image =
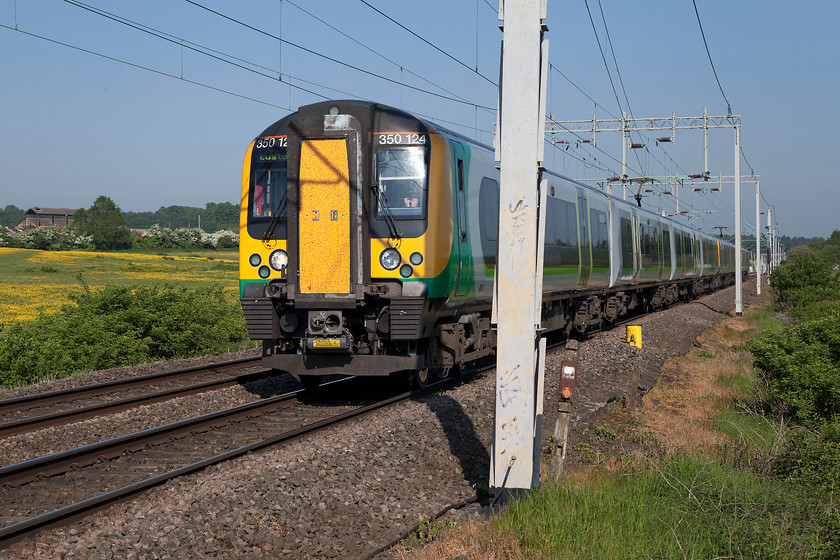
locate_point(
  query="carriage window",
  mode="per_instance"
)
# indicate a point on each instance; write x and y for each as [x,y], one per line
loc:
[567,228]
[626,240]
[401,180]
[488,200]
[268,190]
[598,227]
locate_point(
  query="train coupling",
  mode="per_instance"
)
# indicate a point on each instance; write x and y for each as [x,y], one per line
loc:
[325,333]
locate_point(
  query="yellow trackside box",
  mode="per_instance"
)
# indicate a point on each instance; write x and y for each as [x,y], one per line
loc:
[634,336]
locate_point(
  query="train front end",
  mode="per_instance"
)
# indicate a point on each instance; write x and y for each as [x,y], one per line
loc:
[345,239]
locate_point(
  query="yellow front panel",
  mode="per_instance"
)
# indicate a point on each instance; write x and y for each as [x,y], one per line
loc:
[324,230]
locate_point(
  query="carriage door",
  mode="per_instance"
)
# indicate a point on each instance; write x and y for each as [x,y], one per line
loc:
[461,237]
[585,245]
[324,217]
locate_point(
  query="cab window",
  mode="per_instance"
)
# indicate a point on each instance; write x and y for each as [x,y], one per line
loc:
[268,187]
[401,181]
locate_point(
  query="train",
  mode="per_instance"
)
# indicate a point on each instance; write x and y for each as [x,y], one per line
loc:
[369,237]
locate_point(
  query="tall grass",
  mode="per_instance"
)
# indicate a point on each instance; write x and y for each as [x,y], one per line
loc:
[683,508]
[719,484]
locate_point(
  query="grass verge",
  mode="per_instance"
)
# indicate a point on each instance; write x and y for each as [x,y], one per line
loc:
[689,474]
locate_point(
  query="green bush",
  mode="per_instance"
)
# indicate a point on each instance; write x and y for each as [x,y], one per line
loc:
[118,326]
[806,277]
[801,365]
[812,457]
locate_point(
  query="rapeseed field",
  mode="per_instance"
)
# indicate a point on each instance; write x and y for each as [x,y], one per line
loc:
[36,282]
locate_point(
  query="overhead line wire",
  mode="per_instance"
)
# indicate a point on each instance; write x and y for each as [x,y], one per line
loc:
[709,54]
[128,23]
[202,48]
[383,14]
[617,71]
[152,70]
[607,67]
[581,90]
[197,83]
[596,147]
[374,51]
[603,57]
[714,71]
[608,112]
[334,60]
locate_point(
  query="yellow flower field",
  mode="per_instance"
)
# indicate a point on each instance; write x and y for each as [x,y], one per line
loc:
[34,282]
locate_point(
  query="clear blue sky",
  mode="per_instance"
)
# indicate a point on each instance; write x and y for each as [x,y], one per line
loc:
[75,125]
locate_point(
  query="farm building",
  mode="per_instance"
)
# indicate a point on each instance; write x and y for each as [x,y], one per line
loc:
[39,216]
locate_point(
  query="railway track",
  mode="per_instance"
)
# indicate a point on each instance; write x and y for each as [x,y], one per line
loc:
[32,412]
[54,489]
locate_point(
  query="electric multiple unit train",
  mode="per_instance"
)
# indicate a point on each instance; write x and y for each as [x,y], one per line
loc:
[368,243]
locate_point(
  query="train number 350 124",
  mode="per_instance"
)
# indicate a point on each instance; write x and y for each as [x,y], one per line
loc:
[402,138]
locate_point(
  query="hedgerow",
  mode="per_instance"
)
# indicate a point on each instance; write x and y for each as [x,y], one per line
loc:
[806,279]
[118,326]
[800,366]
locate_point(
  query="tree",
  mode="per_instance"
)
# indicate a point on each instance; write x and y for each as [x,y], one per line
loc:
[105,223]
[11,216]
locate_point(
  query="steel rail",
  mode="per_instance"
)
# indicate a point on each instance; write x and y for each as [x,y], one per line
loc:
[19,530]
[61,462]
[16,403]
[73,415]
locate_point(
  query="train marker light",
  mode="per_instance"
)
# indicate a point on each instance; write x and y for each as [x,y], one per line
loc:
[406,271]
[264,272]
[255,259]
[415,258]
[568,382]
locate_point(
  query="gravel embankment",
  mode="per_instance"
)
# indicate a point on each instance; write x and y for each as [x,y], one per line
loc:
[353,488]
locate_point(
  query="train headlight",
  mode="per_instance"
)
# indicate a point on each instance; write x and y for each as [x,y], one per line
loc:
[278,260]
[389,259]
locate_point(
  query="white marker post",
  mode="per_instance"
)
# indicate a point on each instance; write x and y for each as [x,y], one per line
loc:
[516,451]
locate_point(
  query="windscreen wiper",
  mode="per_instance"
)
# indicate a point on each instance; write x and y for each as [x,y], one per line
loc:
[391,222]
[278,214]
